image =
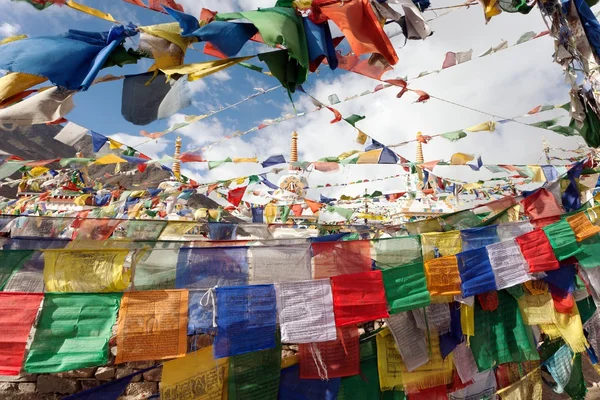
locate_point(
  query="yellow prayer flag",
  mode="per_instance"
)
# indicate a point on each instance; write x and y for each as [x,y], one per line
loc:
[270,213]
[110,159]
[393,372]
[175,230]
[571,329]
[445,243]
[362,137]
[152,326]
[473,185]
[536,310]
[12,39]
[203,69]
[214,214]
[461,158]
[488,126]
[68,270]
[369,157]
[529,387]
[347,154]
[80,201]
[245,160]
[91,11]
[538,173]
[16,82]
[170,31]
[196,376]
[113,144]
[467,319]
[582,227]
[37,171]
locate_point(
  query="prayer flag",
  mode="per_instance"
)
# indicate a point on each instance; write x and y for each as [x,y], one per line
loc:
[582,227]
[246,318]
[72,270]
[410,340]
[72,332]
[305,311]
[18,314]
[156,268]
[513,229]
[392,252]
[195,376]
[331,359]
[589,256]
[474,238]
[440,244]
[476,273]
[255,375]
[537,251]
[203,267]
[10,262]
[358,298]
[152,325]
[508,264]
[292,387]
[273,264]
[340,258]
[443,278]
[406,287]
[562,239]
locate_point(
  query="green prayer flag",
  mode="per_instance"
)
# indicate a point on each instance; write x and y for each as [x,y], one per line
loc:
[253,179]
[589,256]
[562,238]
[564,130]
[65,162]
[366,384]
[406,287]
[500,335]
[287,70]
[353,119]
[454,136]
[344,212]
[590,131]
[545,124]
[215,164]
[460,220]
[576,388]
[255,375]
[527,36]
[284,212]
[72,332]
[251,66]
[586,308]
[10,262]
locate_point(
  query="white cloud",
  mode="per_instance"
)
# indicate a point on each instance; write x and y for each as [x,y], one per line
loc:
[8,29]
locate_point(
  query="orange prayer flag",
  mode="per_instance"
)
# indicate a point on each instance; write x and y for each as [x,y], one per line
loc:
[582,226]
[313,205]
[442,276]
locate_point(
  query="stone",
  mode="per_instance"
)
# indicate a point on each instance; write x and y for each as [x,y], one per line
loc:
[124,371]
[27,387]
[153,375]
[140,364]
[54,384]
[20,378]
[8,386]
[294,348]
[89,383]
[105,373]
[287,353]
[78,373]
[142,389]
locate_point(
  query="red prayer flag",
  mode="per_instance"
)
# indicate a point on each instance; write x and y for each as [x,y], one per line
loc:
[541,204]
[563,305]
[339,258]
[191,157]
[450,60]
[488,301]
[234,196]
[537,251]
[142,167]
[340,357]
[297,210]
[18,313]
[211,50]
[358,298]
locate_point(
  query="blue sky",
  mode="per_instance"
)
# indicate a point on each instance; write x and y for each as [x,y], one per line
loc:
[506,84]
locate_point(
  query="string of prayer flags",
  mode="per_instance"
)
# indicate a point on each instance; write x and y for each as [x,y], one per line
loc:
[410,340]
[562,239]
[19,312]
[331,359]
[508,265]
[537,250]
[500,335]
[475,271]
[152,325]
[340,258]
[195,376]
[255,375]
[72,332]
[99,270]
[406,287]
[305,311]
[443,278]
[291,386]
[10,262]
[436,244]
[271,264]
[245,318]
[358,298]
[204,267]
